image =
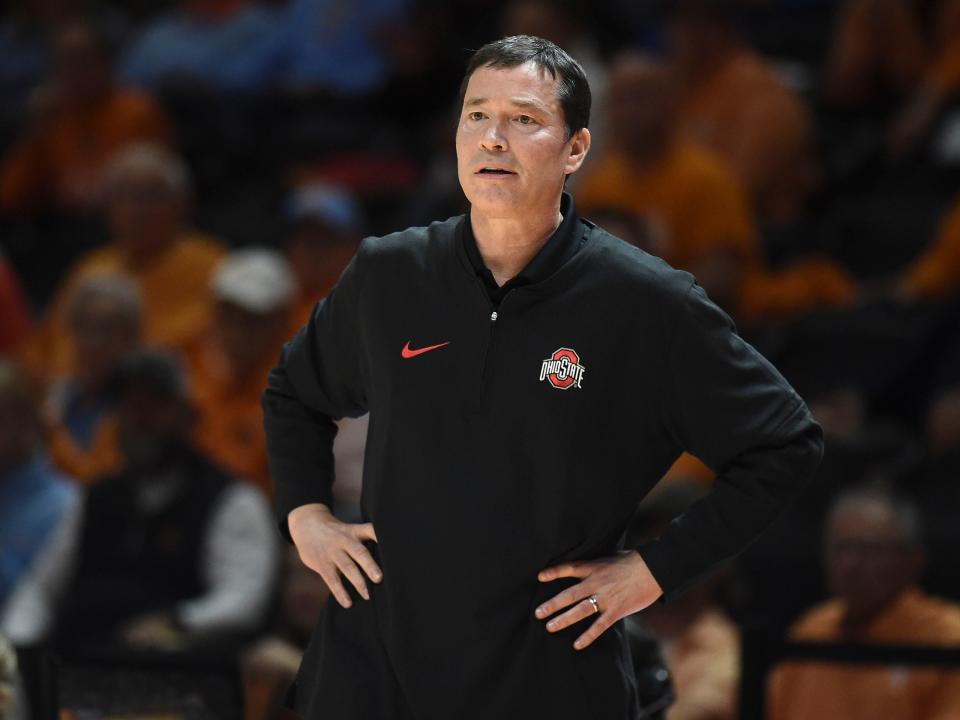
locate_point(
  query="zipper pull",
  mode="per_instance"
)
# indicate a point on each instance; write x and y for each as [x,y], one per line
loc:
[493,316]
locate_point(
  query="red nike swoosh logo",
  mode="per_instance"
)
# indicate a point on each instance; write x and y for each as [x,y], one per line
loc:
[408,353]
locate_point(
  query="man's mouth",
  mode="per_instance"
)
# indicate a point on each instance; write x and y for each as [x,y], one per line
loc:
[494,171]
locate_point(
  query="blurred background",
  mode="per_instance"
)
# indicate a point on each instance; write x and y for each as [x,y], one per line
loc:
[180,182]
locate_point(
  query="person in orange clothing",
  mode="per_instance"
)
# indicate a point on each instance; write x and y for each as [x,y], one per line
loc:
[104,321]
[873,558]
[699,212]
[935,273]
[325,227]
[689,196]
[79,121]
[878,51]
[735,103]
[254,291]
[147,197]
[15,316]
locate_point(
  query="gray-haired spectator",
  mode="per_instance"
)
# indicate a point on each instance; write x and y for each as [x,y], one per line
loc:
[105,324]
[152,243]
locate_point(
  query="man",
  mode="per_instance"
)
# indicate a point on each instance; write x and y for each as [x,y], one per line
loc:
[874,558]
[529,378]
[172,552]
[253,291]
[148,194]
[104,319]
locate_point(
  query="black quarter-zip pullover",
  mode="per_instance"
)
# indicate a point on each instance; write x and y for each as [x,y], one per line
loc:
[496,449]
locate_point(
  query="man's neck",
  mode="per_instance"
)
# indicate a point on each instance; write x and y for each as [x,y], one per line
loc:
[508,244]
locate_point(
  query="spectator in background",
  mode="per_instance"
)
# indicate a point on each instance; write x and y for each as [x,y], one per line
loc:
[79,120]
[38,508]
[15,316]
[324,230]
[733,101]
[104,319]
[228,45]
[173,551]
[700,643]
[877,54]
[147,197]
[335,46]
[874,557]
[679,186]
[695,203]
[253,293]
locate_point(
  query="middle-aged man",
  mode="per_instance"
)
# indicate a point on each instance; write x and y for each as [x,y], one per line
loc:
[529,378]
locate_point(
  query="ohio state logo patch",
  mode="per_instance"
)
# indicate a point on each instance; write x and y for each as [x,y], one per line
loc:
[562,369]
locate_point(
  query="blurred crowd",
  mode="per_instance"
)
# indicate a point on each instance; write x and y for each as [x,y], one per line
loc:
[181,182]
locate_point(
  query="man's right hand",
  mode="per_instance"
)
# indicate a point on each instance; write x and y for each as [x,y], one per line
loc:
[329,547]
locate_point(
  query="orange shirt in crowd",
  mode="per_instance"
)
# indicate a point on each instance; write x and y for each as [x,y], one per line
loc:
[86,465]
[799,691]
[935,274]
[744,112]
[705,666]
[689,192]
[14,312]
[62,164]
[230,422]
[702,208]
[175,287]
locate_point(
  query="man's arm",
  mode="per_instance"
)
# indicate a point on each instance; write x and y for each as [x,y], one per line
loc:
[320,377]
[726,404]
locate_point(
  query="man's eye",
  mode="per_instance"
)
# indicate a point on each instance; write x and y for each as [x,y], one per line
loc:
[525,120]
[476,115]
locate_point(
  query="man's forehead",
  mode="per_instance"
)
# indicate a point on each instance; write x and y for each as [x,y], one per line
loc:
[527,85]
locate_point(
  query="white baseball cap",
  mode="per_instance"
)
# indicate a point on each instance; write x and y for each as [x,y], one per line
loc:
[257,279]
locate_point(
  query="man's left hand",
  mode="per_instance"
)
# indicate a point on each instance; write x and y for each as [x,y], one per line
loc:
[622,584]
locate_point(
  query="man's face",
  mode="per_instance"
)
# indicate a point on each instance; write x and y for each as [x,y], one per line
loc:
[868,560]
[144,212]
[102,334]
[511,121]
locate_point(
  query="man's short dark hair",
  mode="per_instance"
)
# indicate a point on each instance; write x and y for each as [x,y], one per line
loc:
[573,90]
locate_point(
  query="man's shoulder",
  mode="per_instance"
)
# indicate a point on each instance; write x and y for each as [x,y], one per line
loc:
[625,265]
[411,242]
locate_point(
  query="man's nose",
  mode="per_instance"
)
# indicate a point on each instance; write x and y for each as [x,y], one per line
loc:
[493,137]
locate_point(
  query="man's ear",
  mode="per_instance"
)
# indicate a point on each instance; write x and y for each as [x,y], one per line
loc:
[579,147]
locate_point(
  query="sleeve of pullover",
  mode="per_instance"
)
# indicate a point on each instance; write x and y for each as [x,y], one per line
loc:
[320,377]
[726,404]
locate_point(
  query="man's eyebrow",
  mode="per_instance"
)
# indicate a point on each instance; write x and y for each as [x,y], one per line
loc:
[516,102]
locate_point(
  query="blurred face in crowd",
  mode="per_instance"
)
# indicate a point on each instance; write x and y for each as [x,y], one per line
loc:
[151,426]
[641,104]
[868,557]
[102,333]
[82,65]
[144,212]
[512,123]
[318,253]
[247,338]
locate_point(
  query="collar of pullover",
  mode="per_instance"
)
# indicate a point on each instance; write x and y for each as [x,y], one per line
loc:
[555,252]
